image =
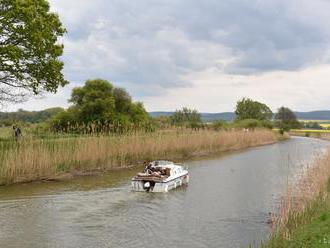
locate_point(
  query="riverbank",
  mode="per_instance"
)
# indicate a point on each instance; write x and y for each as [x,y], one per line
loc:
[304,218]
[320,134]
[47,159]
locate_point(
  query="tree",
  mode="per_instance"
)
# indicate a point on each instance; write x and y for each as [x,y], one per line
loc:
[94,101]
[185,116]
[29,49]
[286,119]
[99,106]
[249,109]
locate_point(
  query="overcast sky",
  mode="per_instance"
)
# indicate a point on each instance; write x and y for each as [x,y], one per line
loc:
[201,54]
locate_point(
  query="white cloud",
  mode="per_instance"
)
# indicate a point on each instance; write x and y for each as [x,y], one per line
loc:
[213,91]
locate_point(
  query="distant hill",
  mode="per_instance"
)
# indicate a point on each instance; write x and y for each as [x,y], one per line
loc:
[229,116]
[314,115]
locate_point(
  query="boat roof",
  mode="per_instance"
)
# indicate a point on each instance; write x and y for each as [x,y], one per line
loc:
[164,163]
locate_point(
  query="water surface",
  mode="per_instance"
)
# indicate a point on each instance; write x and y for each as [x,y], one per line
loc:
[226,204]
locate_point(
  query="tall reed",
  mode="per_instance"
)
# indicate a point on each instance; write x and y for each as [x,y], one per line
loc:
[303,201]
[35,159]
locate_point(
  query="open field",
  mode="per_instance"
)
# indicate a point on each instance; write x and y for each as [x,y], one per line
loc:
[309,131]
[36,159]
[323,123]
[318,121]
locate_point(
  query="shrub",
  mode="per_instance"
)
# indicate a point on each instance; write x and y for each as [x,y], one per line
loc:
[220,125]
[253,123]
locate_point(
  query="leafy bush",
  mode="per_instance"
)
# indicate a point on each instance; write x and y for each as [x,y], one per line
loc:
[97,107]
[253,123]
[220,125]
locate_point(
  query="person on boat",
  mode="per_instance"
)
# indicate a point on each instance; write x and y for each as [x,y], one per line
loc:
[149,168]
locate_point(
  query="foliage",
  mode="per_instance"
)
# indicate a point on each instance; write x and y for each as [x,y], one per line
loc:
[252,123]
[186,116]
[249,109]
[312,125]
[29,49]
[98,106]
[10,118]
[220,125]
[162,121]
[285,119]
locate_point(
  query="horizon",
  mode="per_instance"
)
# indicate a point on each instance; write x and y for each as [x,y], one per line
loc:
[168,111]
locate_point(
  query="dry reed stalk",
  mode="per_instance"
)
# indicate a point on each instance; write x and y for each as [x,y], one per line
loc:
[37,159]
[300,196]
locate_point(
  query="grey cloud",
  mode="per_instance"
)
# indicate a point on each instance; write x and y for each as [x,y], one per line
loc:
[154,44]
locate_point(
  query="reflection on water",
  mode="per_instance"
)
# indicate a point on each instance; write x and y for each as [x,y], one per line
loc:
[226,204]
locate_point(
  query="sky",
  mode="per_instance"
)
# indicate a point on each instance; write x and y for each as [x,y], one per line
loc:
[201,54]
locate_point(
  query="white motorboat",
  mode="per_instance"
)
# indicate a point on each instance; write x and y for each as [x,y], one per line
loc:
[160,176]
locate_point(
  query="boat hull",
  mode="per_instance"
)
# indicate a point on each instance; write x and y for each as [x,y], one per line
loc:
[139,185]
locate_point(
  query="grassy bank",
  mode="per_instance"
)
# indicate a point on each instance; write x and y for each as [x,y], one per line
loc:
[319,134]
[36,159]
[304,219]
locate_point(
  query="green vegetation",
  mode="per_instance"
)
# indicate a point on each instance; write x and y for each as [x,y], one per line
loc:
[100,107]
[285,120]
[29,49]
[186,117]
[249,109]
[313,125]
[22,116]
[252,123]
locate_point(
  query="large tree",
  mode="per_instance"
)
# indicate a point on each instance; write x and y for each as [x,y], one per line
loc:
[94,101]
[100,104]
[249,109]
[286,119]
[29,49]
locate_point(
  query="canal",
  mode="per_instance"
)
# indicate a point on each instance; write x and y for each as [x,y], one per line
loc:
[227,204]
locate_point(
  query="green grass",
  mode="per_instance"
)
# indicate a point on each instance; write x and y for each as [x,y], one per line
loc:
[315,234]
[5,132]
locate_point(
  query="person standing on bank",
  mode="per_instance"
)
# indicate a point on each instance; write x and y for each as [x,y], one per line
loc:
[17,133]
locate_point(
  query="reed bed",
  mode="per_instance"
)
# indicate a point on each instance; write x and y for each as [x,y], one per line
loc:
[36,159]
[302,203]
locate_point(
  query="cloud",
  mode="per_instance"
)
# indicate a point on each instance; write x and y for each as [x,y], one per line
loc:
[153,47]
[213,91]
[155,44]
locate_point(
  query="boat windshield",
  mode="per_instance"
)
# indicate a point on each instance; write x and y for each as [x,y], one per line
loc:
[162,162]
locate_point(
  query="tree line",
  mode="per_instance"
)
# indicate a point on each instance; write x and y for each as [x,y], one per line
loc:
[11,118]
[100,107]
